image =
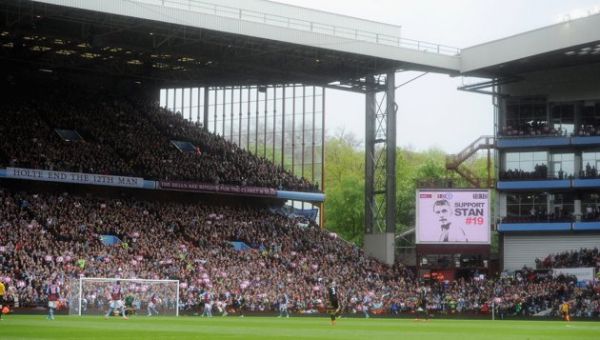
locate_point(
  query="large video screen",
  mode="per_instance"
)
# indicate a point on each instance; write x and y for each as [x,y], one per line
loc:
[453,217]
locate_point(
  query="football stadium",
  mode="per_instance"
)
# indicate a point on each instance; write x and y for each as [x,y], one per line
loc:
[166,173]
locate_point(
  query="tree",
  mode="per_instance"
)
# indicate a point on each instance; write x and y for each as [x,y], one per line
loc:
[344,188]
[344,209]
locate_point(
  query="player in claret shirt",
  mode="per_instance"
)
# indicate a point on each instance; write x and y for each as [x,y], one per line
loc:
[207,296]
[154,301]
[116,302]
[53,292]
[284,301]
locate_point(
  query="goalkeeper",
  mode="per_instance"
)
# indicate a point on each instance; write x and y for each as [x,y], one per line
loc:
[129,309]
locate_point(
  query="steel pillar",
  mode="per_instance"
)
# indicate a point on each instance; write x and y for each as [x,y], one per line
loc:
[380,155]
[390,145]
[370,103]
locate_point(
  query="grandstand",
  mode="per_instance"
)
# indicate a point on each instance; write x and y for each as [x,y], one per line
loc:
[162,140]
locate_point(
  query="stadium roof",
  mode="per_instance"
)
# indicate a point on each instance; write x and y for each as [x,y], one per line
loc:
[207,42]
[238,42]
[565,44]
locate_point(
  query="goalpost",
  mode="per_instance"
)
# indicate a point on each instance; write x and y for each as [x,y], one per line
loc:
[91,295]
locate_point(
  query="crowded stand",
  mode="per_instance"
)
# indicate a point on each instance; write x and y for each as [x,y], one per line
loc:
[129,138]
[531,129]
[587,130]
[589,172]
[592,213]
[540,172]
[540,217]
[47,237]
[541,129]
[571,259]
[57,237]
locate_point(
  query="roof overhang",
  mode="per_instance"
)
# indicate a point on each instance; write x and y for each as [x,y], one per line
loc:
[234,42]
[565,44]
[286,24]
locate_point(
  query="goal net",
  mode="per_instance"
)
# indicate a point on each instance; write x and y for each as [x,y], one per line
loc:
[92,296]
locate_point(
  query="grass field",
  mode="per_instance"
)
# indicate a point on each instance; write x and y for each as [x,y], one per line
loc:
[250,328]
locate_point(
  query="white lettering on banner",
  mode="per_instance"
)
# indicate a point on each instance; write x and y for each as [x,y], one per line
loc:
[581,273]
[74,177]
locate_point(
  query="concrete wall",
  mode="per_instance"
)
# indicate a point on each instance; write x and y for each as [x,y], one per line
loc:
[381,246]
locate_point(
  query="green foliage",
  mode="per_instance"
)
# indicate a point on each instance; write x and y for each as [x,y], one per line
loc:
[344,187]
[344,212]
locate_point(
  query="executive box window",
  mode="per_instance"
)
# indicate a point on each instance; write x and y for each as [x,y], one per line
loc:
[523,207]
[590,162]
[562,206]
[539,207]
[562,117]
[526,117]
[525,165]
[562,165]
[590,207]
[590,119]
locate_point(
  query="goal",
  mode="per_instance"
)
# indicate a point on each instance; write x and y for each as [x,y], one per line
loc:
[91,296]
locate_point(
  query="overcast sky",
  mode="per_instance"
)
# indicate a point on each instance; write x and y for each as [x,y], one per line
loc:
[431,112]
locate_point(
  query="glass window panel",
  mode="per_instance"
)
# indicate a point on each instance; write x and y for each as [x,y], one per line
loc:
[512,157]
[563,165]
[525,161]
[525,116]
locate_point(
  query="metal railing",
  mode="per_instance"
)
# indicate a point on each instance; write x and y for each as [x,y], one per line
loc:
[302,25]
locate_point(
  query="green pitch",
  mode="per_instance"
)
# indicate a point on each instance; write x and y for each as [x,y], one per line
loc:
[249,328]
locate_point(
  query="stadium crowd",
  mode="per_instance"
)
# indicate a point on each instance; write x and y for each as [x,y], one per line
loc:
[45,237]
[541,129]
[571,259]
[127,138]
[589,172]
[592,213]
[531,129]
[58,236]
[587,130]
[540,217]
[540,172]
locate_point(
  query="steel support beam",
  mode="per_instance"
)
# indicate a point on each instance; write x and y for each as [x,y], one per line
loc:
[391,109]
[380,155]
[380,167]
[370,103]
[206,107]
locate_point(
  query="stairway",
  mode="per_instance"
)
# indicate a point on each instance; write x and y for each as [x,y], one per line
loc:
[454,162]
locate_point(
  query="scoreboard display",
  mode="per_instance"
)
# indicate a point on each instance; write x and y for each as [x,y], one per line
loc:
[453,217]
